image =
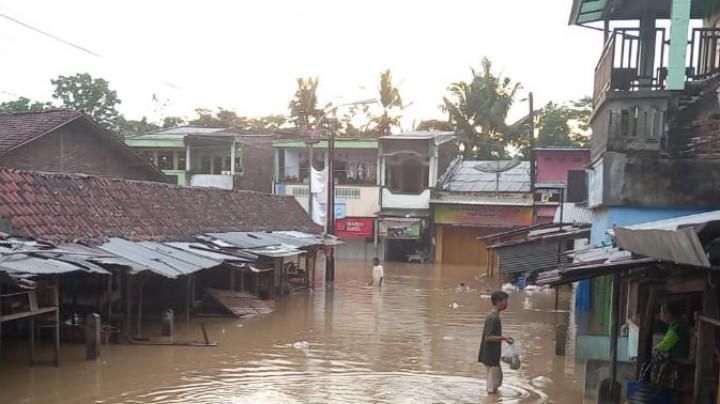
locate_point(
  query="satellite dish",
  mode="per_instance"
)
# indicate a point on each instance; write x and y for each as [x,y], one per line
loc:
[497,166]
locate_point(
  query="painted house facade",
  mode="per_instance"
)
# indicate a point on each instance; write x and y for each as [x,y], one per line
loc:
[475,199]
[69,141]
[357,191]
[210,157]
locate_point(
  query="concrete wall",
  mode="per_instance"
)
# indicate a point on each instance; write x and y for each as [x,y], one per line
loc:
[607,218]
[357,250]
[360,201]
[258,166]
[76,148]
[648,181]
[553,165]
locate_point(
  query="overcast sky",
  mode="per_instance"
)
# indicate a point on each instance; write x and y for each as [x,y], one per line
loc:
[246,55]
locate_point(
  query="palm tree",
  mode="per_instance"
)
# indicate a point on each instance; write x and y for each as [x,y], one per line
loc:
[478,110]
[304,104]
[390,99]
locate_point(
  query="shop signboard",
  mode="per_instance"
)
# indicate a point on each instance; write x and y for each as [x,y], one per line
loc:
[354,227]
[484,215]
[409,229]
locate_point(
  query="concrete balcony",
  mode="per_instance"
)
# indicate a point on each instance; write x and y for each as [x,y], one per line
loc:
[360,201]
[223,181]
[391,200]
[649,181]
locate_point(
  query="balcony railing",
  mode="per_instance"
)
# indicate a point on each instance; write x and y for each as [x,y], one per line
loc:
[625,65]
[342,177]
[620,66]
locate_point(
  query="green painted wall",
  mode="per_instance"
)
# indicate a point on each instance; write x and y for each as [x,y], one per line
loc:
[180,174]
[323,144]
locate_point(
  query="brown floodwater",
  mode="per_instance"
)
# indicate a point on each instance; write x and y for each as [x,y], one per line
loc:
[415,340]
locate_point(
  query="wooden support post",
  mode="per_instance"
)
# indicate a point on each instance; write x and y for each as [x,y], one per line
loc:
[699,363]
[1,322]
[31,340]
[56,302]
[188,298]
[645,332]
[168,324]
[92,336]
[204,332]
[140,307]
[232,279]
[609,391]
[560,338]
[127,332]
[109,299]
[557,298]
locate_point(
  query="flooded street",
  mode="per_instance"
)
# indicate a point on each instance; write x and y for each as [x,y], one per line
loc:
[413,341]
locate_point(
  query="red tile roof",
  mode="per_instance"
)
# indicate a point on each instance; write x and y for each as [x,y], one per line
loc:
[61,207]
[19,128]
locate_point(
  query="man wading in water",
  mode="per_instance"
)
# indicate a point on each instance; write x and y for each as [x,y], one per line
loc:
[491,343]
[378,273]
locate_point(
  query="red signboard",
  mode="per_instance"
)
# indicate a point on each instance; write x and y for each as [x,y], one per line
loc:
[354,227]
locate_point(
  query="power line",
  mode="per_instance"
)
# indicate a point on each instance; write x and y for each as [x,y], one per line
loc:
[49,35]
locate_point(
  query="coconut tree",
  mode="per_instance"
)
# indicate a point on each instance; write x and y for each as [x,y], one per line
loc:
[304,104]
[390,100]
[478,110]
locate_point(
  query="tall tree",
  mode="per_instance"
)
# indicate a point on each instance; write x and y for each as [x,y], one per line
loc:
[564,124]
[478,110]
[390,100]
[93,96]
[130,128]
[23,104]
[303,106]
[172,121]
[435,125]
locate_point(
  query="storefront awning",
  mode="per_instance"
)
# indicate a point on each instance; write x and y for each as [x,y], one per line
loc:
[681,240]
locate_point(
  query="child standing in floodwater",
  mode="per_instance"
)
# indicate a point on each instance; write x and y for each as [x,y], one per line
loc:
[491,344]
[378,272]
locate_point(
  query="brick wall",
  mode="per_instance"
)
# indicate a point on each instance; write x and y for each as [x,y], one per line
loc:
[77,148]
[258,164]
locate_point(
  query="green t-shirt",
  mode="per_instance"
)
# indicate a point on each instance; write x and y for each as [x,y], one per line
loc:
[676,341]
[490,351]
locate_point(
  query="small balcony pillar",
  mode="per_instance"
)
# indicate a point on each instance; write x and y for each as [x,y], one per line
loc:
[646,64]
[680,23]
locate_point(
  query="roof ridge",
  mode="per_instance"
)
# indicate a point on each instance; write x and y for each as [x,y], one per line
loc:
[43,111]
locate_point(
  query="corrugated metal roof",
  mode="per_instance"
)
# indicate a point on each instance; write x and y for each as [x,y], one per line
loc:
[418,135]
[14,261]
[481,200]
[205,251]
[158,262]
[477,176]
[574,213]
[678,222]
[246,240]
[181,255]
[102,257]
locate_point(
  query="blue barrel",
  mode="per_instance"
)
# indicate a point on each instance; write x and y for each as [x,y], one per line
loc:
[521,282]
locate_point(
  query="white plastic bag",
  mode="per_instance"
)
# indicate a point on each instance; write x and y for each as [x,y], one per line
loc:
[511,356]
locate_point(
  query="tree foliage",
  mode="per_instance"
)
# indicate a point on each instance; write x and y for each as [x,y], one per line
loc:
[303,106]
[130,128]
[435,125]
[82,92]
[224,118]
[564,124]
[478,110]
[173,121]
[23,104]
[390,100]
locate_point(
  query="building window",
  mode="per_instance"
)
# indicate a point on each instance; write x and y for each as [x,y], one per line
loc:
[166,160]
[149,156]
[407,175]
[181,162]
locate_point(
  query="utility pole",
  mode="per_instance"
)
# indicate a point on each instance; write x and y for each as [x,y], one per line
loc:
[330,214]
[531,126]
